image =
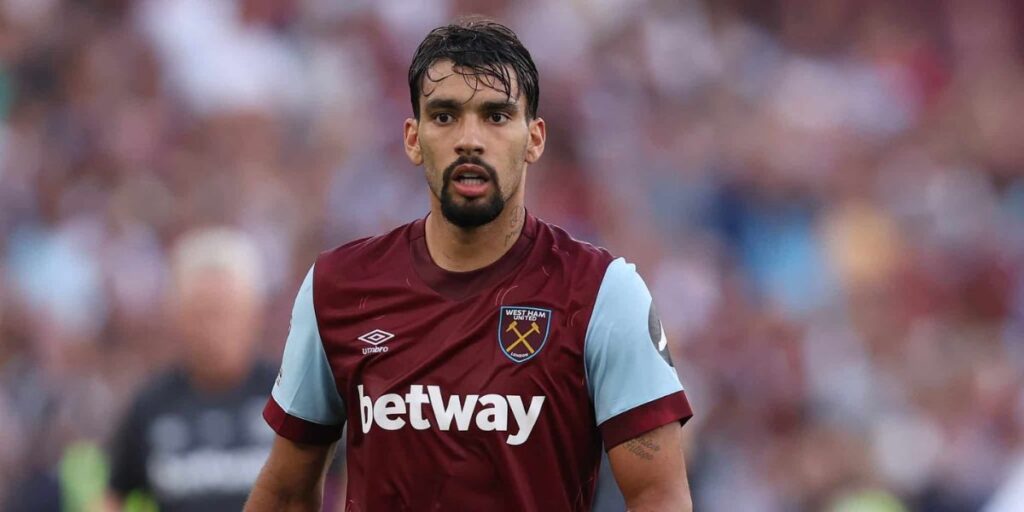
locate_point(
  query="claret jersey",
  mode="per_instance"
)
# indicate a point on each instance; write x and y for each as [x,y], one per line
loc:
[485,390]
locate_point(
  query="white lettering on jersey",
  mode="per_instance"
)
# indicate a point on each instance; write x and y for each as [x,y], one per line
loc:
[387,406]
[389,412]
[460,411]
[496,416]
[525,419]
[416,399]
[375,338]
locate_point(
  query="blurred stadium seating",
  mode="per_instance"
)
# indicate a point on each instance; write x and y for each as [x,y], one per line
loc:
[826,199]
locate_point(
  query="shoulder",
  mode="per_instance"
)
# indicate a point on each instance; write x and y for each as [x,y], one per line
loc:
[579,260]
[366,254]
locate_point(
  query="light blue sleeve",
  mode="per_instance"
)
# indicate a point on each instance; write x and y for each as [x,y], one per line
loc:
[305,387]
[627,363]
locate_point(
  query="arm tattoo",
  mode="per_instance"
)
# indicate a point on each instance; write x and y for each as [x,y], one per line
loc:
[643,447]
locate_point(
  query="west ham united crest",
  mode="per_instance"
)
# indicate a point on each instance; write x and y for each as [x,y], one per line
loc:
[523,331]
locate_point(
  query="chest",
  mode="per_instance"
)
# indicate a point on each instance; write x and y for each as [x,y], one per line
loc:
[190,442]
[518,339]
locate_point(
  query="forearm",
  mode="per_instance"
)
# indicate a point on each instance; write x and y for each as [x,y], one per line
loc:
[262,500]
[271,493]
[660,501]
[292,479]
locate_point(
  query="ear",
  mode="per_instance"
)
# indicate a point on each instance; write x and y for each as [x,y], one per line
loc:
[535,146]
[411,137]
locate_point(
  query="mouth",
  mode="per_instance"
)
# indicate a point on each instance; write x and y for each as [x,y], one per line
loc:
[470,180]
[470,174]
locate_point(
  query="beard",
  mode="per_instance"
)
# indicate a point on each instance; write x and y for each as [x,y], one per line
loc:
[476,212]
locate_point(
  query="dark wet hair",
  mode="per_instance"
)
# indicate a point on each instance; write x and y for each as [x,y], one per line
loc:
[479,47]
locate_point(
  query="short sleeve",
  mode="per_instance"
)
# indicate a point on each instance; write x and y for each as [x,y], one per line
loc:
[630,376]
[305,405]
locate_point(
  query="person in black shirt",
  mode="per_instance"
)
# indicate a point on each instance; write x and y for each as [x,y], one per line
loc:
[194,439]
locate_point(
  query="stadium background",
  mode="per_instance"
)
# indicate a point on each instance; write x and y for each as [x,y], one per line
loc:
[825,197]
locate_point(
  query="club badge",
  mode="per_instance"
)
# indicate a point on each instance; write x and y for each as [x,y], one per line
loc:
[523,331]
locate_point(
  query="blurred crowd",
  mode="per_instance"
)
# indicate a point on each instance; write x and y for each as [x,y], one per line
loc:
[825,197]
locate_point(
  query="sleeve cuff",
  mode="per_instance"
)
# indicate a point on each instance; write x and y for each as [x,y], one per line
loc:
[646,417]
[298,429]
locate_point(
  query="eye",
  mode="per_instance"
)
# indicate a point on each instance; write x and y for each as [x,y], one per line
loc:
[443,118]
[497,117]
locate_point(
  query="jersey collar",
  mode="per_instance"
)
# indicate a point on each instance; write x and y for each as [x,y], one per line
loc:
[462,285]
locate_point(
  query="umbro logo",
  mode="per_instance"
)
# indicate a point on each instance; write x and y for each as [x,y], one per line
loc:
[375,338]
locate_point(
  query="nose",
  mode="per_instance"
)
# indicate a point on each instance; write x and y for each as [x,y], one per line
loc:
[470,141]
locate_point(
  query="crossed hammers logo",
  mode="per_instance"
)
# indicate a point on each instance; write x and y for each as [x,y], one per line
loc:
[512,327]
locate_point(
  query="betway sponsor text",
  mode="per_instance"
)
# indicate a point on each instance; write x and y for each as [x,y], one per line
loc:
[490,412]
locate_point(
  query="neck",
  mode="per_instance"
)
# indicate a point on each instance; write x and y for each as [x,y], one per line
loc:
[461,250]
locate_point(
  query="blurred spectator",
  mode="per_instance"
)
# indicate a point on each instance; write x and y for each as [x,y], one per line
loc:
[193,439]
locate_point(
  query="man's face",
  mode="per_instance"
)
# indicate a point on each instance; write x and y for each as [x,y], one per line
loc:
[474,143]
[218,314]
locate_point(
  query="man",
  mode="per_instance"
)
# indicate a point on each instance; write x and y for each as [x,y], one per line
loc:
[479,355]
[193,439]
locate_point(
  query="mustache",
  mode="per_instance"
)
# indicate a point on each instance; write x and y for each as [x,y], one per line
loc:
[492,175]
